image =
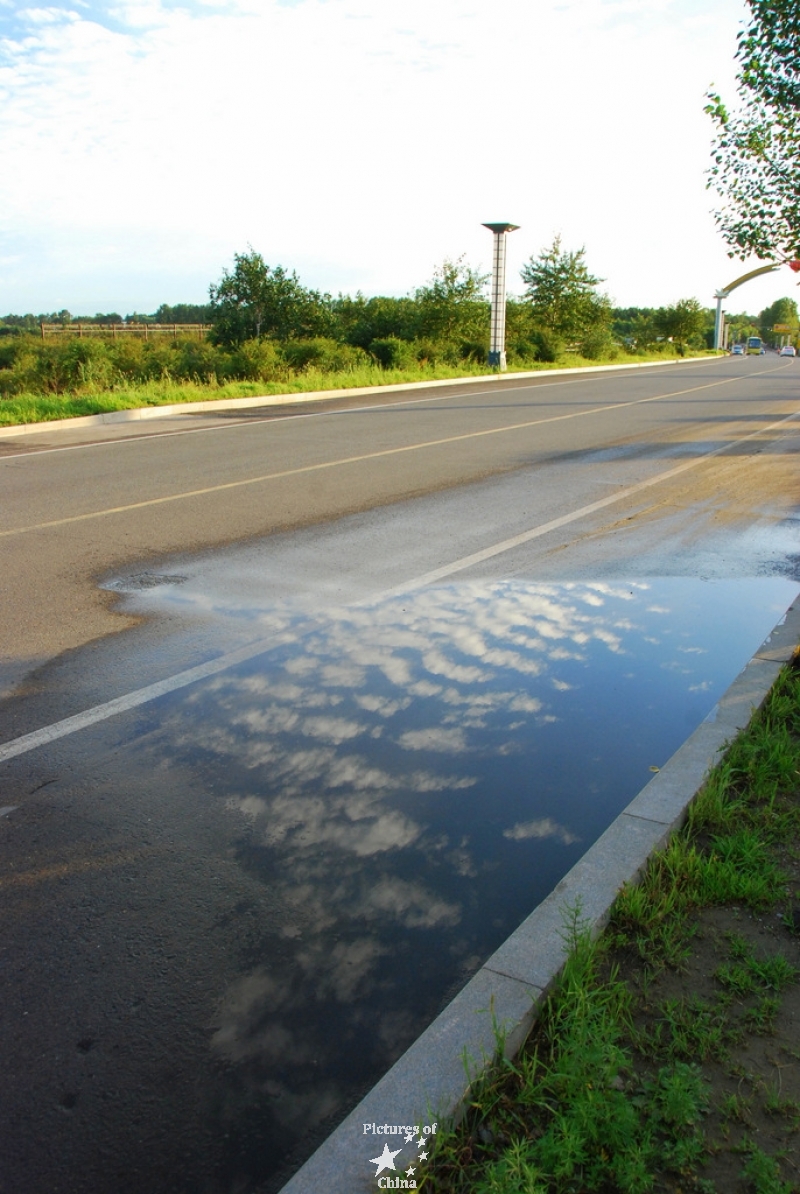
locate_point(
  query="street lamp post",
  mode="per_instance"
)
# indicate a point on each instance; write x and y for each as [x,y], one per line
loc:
[497,341]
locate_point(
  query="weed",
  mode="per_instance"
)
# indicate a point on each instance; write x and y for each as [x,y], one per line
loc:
[749,974]
[775,1104]
[763,1172]
[736,1107]
[693,1029]
[761,1018]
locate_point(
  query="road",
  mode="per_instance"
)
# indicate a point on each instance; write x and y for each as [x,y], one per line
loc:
[73,513]
[172,927]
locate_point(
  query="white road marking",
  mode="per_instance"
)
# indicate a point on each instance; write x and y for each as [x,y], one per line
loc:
[417,400]
[80,721]
[324,465]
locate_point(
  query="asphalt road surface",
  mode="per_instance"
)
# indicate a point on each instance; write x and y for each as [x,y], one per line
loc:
[77,507]
[114,941]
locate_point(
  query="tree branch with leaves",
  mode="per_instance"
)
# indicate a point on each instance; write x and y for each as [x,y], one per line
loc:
[756,153]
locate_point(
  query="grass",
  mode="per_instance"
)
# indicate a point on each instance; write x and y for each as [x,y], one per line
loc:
[37,408]
[666,1059]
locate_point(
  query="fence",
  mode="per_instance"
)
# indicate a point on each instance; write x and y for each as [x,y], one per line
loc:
[113,330]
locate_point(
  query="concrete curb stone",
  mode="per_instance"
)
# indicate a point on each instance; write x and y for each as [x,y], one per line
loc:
[431,1080]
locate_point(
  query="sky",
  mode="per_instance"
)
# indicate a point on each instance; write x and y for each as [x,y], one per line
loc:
[359,143]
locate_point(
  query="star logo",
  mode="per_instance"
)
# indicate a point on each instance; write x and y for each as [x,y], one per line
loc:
[385,1160]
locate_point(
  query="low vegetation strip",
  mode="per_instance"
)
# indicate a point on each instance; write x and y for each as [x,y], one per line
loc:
[668,1057]
[83,391]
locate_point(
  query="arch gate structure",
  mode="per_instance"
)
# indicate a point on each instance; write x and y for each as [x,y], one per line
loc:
[753,273]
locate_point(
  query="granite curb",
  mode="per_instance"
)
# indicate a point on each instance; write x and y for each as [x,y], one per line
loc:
[182,408]
[430,1081]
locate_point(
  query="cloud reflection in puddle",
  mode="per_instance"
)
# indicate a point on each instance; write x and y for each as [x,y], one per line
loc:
[409,778]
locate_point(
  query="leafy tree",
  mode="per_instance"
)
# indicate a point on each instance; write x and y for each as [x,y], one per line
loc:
[783,310]
[563,294]
[684,323]
[452,306]
[741,326]
[258,300]
[756,154]
[644,332]
[360,321]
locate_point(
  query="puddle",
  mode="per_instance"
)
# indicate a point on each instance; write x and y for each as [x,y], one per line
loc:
[407,780]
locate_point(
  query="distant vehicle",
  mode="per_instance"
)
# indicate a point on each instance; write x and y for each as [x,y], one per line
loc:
[737,351]
[755,346]
[787,351]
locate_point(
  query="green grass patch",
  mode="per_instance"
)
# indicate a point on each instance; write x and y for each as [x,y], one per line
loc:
[89,398]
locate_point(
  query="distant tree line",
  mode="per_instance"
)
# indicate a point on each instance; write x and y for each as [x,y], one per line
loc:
[265,325]
[181,313]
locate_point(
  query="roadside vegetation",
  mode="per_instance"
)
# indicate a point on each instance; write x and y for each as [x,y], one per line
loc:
[755,157]
[263,332]
[668,1059]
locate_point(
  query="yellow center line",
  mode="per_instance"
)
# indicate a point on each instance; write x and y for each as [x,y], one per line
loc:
[367,456]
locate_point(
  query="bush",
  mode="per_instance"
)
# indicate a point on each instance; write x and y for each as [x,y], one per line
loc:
[393,353]
[598,343]
[74,364]
[427,352]
[323,355]
[476,351]
[546,346]
[255,360]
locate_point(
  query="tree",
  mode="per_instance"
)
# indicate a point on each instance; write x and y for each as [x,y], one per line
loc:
[644,330]
[563,294]
[756,154]
[740,327]
[358,320]
[452,306]
[682,323]
[258,300]
[783,310]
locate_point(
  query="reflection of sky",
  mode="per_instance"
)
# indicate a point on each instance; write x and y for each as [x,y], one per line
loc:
[409,778]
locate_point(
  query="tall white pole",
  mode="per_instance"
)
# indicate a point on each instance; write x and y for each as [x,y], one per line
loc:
[497,338]
[719,296]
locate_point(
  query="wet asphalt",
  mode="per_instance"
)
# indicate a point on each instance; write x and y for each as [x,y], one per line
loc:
[227,910]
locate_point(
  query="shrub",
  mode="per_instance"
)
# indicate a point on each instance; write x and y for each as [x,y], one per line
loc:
[323,355]
[73,364]
[255,360]
[598,342]
[546,345]
[393,353]
[130,359]
[474,350]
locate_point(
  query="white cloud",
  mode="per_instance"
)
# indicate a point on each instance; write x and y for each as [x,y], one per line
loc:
[144,144]
[382,705]
[332,729]
[435,738]
[544,828]
[410,904]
